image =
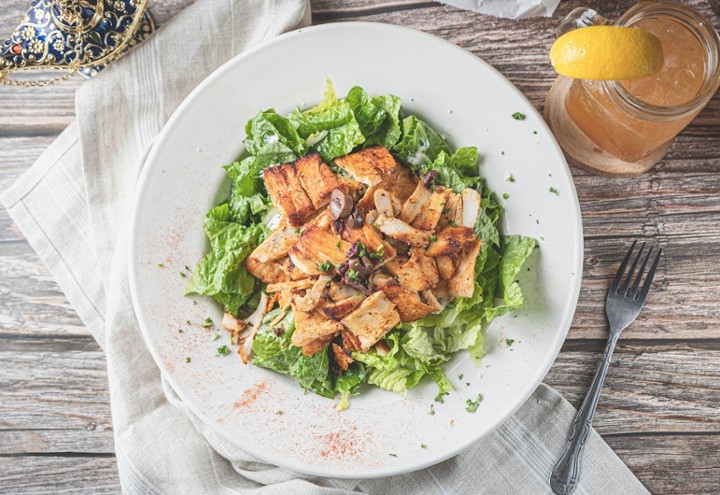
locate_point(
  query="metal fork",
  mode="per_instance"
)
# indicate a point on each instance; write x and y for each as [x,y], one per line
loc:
[623,305]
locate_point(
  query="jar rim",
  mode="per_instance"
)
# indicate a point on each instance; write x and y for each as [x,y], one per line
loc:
[706,34]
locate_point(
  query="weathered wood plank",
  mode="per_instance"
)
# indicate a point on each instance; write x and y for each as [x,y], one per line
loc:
[59,475]
[659,388]
[52,390]
[30,300]
[672,464]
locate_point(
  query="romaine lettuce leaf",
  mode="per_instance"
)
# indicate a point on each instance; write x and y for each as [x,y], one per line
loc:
[516,250]
[273,349]
[379,117]
[331,126]
[221,273]
[420,144]
[269,133]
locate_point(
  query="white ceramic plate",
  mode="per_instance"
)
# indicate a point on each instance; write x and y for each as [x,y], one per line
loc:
[381,433]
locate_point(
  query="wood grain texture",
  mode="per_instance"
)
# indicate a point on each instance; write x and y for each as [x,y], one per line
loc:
[660,409]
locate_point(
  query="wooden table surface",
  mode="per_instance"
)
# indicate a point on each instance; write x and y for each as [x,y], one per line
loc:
[660,409]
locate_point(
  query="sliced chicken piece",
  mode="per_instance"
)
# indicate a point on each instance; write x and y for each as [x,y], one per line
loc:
[316,179]
[354,235]
[451,240]
[372,319]
[277,244]
[312,298]
[445,266]
[338,310]
[284,298]
[431,211]
[440,291]
[304,260]
[271,272]
[383,202]
[373,241]
[397,229]
[408,304]
[462,284]
[316,345]
[323,246]
[293,272]
[367,202]
[374,166]
[360,167]
[419,273]
[312,326]
[470,206]
[431,300]
[287,193]
[233,325]
[350,341]
[411,207]
[293,285]
[341,358]
[339,291]
[454,207]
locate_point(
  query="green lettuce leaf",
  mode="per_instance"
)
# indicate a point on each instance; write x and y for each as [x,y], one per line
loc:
[331,127]
[273,349]
[269,133]
[420,145]
[516,250]
[457,171]
[378,118]
[221,273]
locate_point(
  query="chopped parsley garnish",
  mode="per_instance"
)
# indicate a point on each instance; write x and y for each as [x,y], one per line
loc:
[298,231]
[161,265]
[223,351]
[353,275]
[423,446]
[338,243]
[472,405]
[187,359]
[324,267]
[183,275]
[217,336]
[433,238]
[439,398]
[534,132]
[362,251]
[452,223]
[279,412]
[509,342]
[207,323]
[445,211]
[505,195]
[460,376]
[393,455]
[554,191]
[518,116]
[510,178]
[432,410]
[376,257]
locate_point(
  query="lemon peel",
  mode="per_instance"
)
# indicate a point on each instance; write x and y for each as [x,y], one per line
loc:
[607,53]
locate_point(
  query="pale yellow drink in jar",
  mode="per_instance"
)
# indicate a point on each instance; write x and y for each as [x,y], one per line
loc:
[612,128]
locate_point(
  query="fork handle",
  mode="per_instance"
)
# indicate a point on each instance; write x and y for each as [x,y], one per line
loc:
[566,473]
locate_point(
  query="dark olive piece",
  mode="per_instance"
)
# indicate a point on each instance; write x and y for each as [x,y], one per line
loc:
[341,205]
[429,178]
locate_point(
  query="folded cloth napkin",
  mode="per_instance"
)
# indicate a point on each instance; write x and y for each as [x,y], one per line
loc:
[72,206]
[512,9]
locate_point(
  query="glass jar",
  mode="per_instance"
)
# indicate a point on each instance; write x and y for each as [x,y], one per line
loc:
[626,127]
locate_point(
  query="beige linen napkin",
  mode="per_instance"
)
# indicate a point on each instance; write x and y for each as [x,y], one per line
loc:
[73,205]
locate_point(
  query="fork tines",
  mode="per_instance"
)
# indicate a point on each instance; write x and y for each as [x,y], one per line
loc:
[621,282]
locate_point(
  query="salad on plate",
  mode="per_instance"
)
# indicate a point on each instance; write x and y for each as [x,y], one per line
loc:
[356,247]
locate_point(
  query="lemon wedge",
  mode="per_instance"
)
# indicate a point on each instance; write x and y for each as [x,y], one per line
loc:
[607,53]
